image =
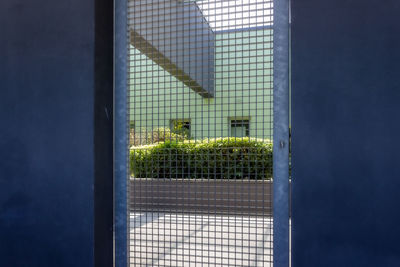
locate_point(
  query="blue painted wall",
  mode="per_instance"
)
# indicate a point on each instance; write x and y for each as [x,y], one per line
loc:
[47,115]
[345,132]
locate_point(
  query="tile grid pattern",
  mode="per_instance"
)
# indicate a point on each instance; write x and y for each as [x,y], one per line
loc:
[200,240]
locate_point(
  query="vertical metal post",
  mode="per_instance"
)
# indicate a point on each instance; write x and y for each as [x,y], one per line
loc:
[281,133]
[121,251]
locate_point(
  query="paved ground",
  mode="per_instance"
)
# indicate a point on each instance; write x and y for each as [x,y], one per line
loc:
[168,239]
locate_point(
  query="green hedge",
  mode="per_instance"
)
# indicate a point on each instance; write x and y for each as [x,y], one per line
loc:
[224,158]
[138,137]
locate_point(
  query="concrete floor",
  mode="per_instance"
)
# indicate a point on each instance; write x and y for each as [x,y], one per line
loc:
[176,239]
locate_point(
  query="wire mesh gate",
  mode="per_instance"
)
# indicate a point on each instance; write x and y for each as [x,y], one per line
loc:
[201,126]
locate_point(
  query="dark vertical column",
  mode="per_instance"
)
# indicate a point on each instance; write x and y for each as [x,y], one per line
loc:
[345,93]
[54,143]
[103,139]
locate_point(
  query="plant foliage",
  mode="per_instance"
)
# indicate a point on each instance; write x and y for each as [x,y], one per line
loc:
[145,137]
[222,158]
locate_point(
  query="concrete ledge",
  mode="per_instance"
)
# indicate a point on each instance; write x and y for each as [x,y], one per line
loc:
[176,36]
[201,195]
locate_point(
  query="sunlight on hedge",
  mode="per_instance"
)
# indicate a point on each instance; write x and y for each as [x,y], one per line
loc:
[211,158]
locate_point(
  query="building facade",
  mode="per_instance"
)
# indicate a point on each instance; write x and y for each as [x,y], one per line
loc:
[242,102]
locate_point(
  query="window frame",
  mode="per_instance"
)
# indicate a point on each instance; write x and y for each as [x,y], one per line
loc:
[239,119]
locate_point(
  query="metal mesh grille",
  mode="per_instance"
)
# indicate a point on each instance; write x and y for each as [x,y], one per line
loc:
[200,92]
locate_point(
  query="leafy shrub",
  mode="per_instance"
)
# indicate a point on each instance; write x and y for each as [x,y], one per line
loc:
[223,158]
[179,127]
[145,137]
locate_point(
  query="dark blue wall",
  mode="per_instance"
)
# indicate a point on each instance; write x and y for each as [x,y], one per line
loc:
[346,163]
[47,134]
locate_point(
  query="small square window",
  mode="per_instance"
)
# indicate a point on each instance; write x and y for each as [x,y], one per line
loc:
[240,127]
